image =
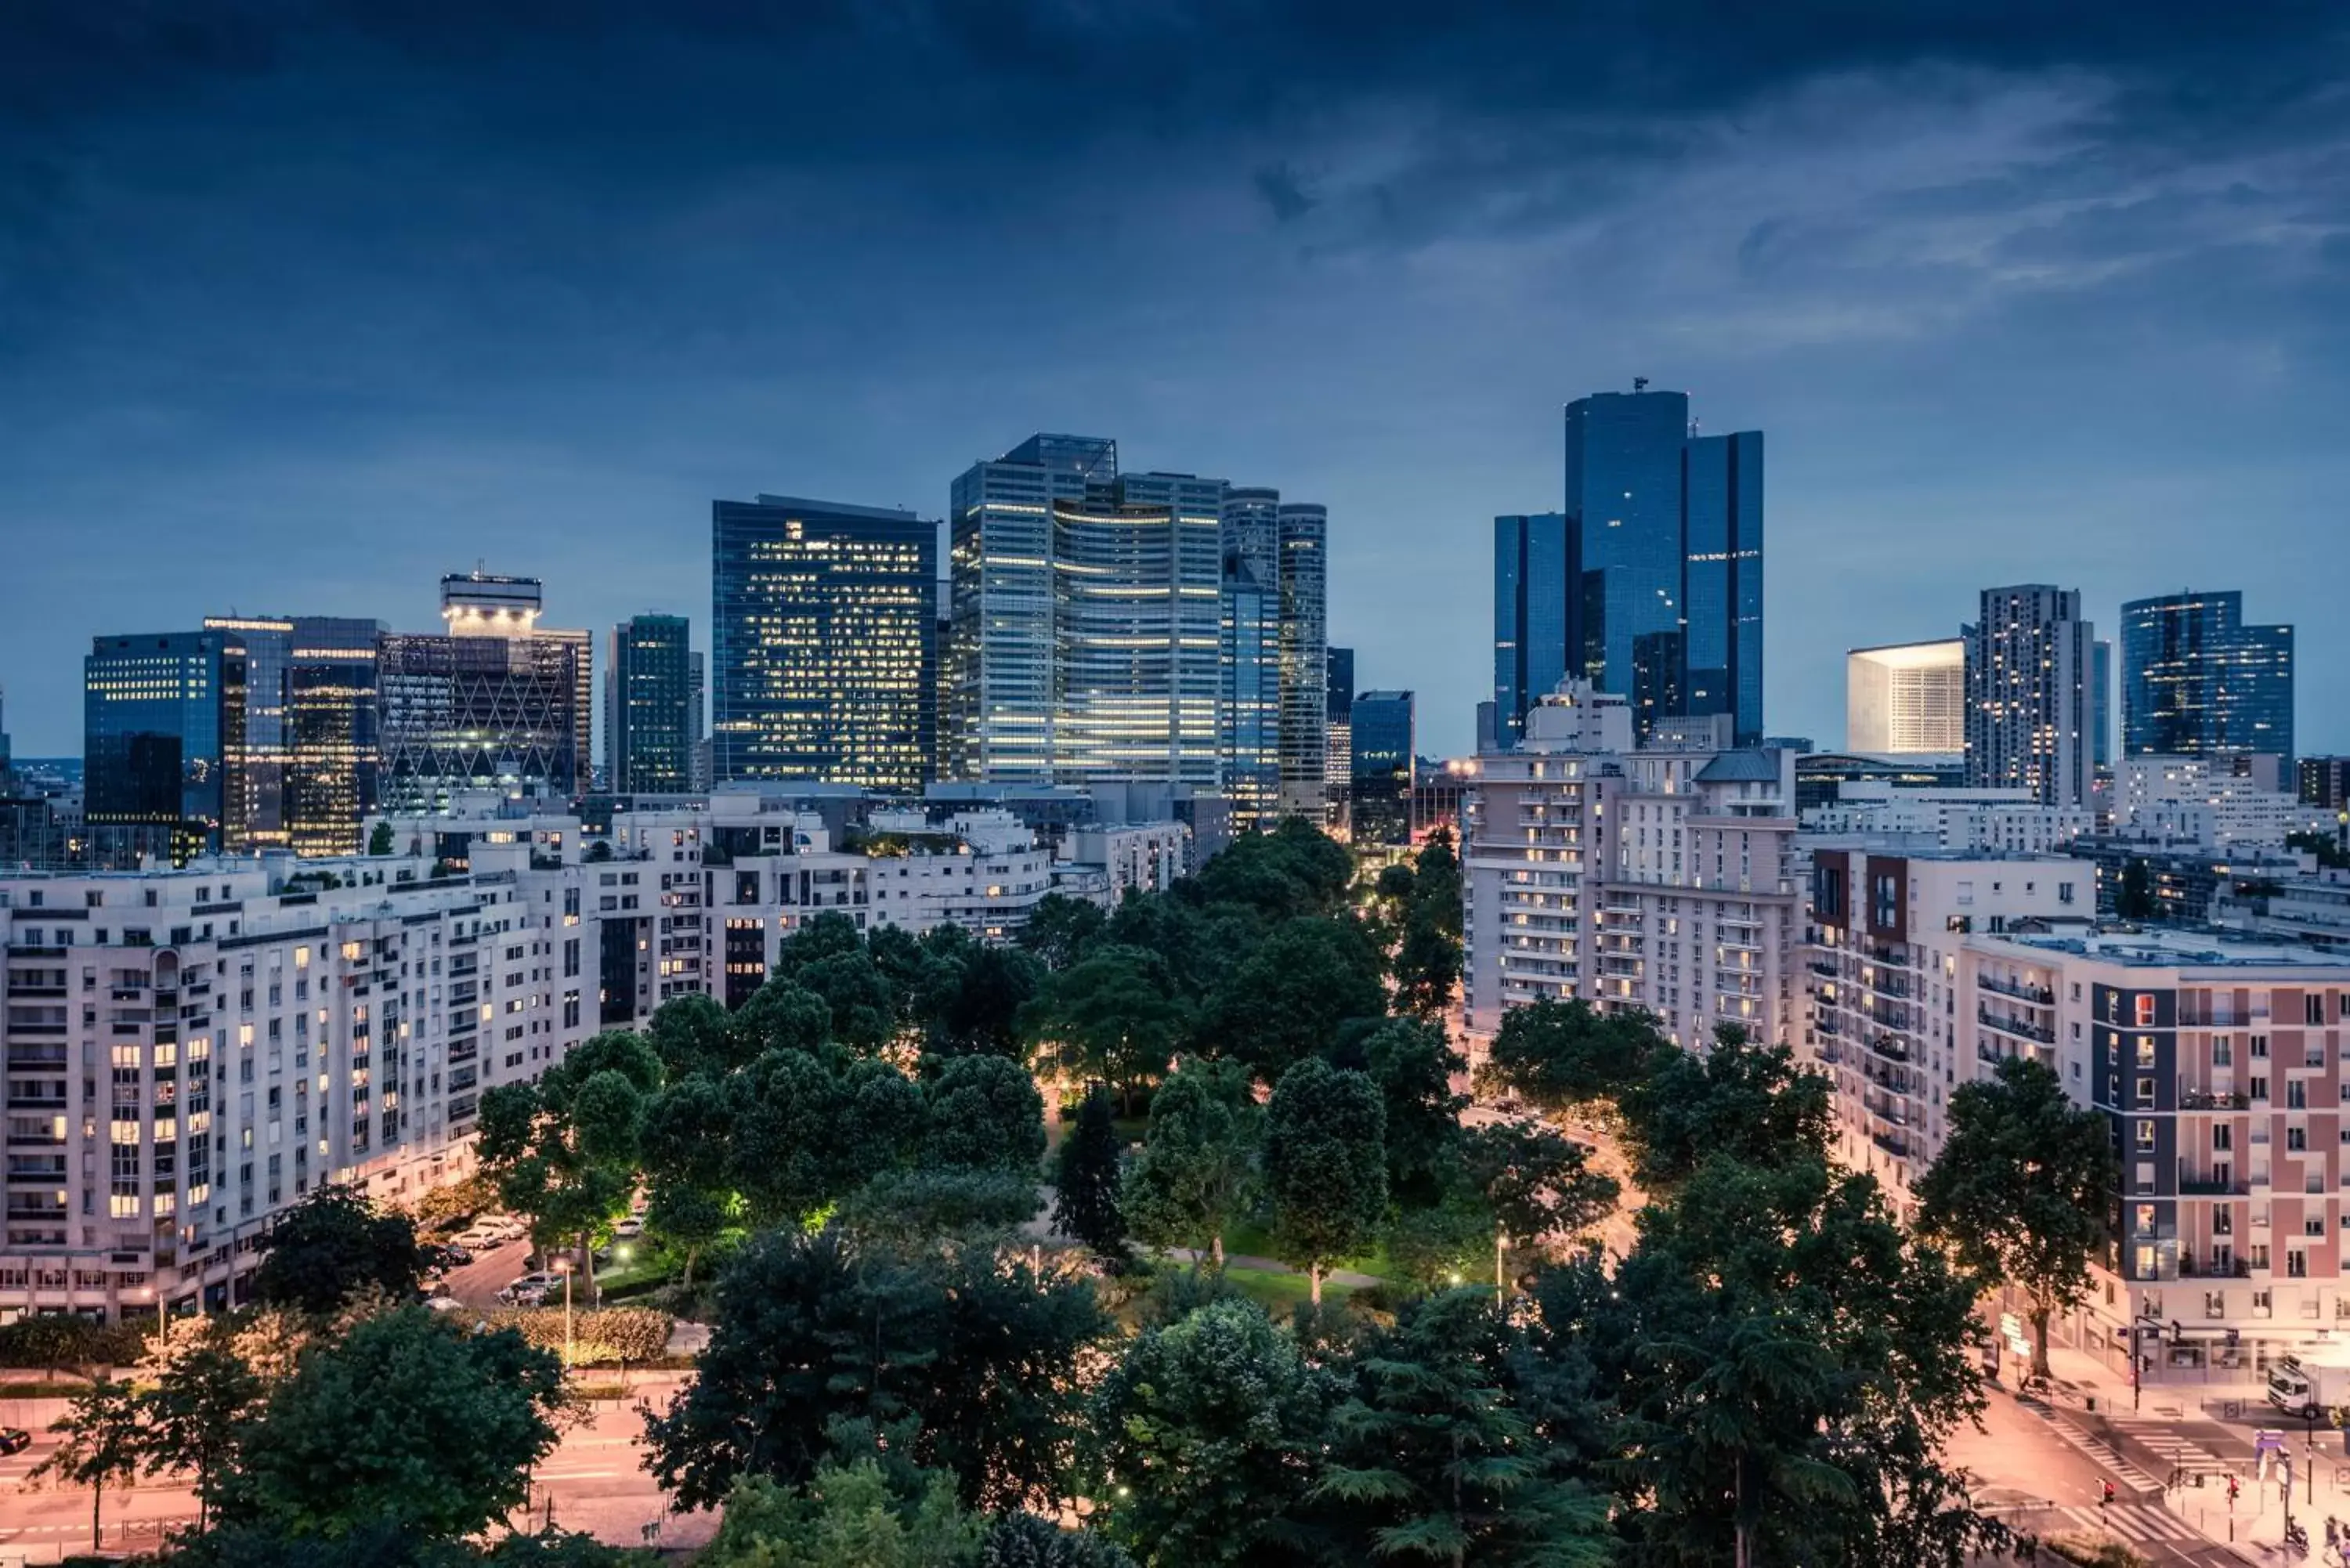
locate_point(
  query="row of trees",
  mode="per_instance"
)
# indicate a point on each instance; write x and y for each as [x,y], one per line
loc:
[1766,1377]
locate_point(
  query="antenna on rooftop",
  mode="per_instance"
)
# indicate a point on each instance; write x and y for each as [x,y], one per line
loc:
[1639,383]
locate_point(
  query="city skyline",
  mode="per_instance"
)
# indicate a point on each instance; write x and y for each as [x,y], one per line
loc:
[558,322]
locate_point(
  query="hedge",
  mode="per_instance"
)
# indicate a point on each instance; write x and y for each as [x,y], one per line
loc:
[608,1334]
[55,1340]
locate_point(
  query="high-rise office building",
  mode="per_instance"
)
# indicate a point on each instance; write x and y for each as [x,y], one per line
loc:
[1250,704]
[1906,697]
[1537,601]
[495,703]
[1303,536]
[1338,763]
[2101,703]
[311,741]
[2322,781]
[650,698]
[163,743]
[1382,743]
[2029,658]
[1085,612]
[824,642]
[7,778]
[2196,680]
[1666,539]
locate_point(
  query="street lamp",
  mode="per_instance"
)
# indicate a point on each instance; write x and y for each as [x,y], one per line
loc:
[563,1267]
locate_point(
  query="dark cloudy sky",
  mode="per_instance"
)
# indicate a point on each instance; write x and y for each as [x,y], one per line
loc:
[302,305]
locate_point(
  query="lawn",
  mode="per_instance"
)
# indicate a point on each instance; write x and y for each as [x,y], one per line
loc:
[1250,1239]
[1279,1293]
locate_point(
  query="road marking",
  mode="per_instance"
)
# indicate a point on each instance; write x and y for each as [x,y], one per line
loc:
[583,1475]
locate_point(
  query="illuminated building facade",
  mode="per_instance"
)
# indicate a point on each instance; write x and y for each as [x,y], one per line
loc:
[1907,698]
[2030,658]
[163,743]
[1085,620]
[2197,681]
[651,695]
[1383,764]
[824,636]
[1250,704]
[496,703]
[1303,539]
[310,730]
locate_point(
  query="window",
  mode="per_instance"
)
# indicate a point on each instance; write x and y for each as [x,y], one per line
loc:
[2145,1050]
[2146,1090]
[2260,1088]
[2296,1140]
[2223,1135]
[2144,1012]
[2215,1304]
[2261,1307]
[2145,1218]
[2260,1048]
[2146,1135]
[2223,1052]
[2312,1009]
[2296,1095]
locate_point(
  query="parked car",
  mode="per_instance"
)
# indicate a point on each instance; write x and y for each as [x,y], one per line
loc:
[455,1254]
[629,1230]
[532,1289]
[15,1439]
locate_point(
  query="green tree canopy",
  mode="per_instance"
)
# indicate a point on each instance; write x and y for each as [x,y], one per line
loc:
[1324,1167]
[2019,1191]
[1113,1016]
[984,1112]
[1086,1178]
[333,1242]
[1432,1461]
[971,1355]
[406,1418]
[1197,1161]
[1295,870]
[1742,1099]
[1205,1435]
[1532,1180]
[693,1034]
[686,1137]
[1294,993]
[1060,930]
[1564,1056]
[805,1135]
[1413,1064]
[102,1440]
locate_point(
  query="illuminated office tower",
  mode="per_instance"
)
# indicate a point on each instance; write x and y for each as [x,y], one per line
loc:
[1282,548]
[1383,765]
[1339,731]
[824,642]
[1085,620]
[1537,602]
[1249,702]
[495,703]
[1666,546]
[2030,662]
[1303,536]
[651,695]
[2197,681]
[310,730]
[163,744]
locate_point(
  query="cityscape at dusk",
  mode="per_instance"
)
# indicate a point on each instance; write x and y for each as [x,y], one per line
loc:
[1037,784]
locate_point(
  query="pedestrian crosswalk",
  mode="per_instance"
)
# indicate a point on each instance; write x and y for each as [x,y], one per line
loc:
[2141,1522]
[2161,1437]
[2103,1453]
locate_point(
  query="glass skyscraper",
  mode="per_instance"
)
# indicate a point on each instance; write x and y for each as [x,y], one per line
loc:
[2196,680]
[311,743]
[1086,635]
[1649,583]
[495,703]
[163,743]
[824,643]
[1383,764]
[1537,597]
[651,697]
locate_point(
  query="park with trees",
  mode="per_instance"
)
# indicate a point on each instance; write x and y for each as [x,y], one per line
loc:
[1155,1236]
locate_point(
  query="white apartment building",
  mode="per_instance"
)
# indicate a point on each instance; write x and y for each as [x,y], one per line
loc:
[1662,880]
[1967,821]
[2210,801]
[189,1053]
[1895,1015]
[2223,1063]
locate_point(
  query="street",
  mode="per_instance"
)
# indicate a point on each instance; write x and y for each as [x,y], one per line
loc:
[593,1482]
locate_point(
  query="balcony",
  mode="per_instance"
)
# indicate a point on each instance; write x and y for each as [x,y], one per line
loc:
[1888,1047]
[2224,1268]
[1893,1144]
[2213,1187]
[2015,1026]
[2213,1100]
[1824,970]
[2038,996]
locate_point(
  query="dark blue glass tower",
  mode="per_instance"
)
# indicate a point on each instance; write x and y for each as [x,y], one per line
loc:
[2197,681]
[1662,541]
[1537,594]
[163,743]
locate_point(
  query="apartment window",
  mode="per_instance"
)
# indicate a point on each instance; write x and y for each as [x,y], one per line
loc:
[2260,1088]
[2146,1135]
[2215,1304]
[2296,1140]
[2223,1051]
[2296,1095]
[2146,1090]
[2261,1307]
[2144,1012]
[2145,1050]
[2312,1009]
[2260,1048]
[2223,1136]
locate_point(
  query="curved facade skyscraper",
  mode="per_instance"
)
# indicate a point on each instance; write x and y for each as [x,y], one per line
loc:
[2197,681]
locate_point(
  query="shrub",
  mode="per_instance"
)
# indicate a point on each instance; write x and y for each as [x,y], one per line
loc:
[634,1334]
[53,1340]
